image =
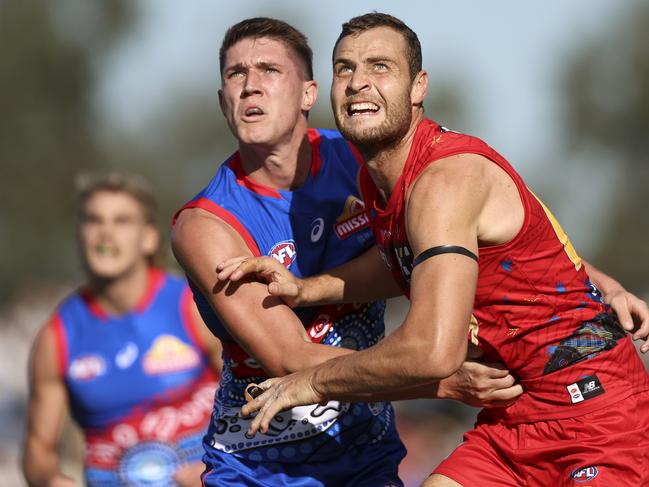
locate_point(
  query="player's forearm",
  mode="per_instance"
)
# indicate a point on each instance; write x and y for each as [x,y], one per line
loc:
[424,391]
[397,363]
[605,283]
[302,357]
[322,289]
[365,278]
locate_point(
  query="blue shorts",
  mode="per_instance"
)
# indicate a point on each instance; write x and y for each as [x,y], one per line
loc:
[371,466]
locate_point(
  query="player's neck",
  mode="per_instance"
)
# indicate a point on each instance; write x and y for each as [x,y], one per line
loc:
[385,166]
[284,165]
[122,294]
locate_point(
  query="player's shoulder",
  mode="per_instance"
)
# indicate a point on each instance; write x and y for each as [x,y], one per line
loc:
[441,138]
[47,340]
[460,165]
[199,232]
[196,219]
[452,178]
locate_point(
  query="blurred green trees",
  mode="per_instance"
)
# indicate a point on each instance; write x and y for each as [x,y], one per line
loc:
[606,90]
[50,130]
[46,128]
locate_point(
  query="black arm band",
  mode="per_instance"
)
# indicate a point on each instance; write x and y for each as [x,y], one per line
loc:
[443,249]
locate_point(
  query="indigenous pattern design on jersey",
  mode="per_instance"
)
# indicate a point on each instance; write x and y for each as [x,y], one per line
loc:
[309,230]
[139,384]
[535,308]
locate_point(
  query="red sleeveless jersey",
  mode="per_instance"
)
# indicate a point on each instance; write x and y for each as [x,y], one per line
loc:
[535,308]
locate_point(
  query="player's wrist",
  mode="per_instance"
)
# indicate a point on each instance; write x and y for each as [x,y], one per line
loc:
[317,383]
[446,388]
[307,292]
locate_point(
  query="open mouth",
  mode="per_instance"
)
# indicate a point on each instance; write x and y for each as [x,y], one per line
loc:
[106,250]
[362,108]
[252,112]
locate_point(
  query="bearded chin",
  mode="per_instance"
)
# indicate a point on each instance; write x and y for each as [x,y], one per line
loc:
[389,133]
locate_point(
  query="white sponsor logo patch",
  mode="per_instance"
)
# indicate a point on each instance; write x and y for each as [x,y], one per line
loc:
[575,393]
[87,367]
[351,225]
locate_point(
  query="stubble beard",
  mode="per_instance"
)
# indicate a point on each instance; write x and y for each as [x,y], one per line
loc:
[371,140]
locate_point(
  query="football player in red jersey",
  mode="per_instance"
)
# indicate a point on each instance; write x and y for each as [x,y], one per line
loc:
[480,255]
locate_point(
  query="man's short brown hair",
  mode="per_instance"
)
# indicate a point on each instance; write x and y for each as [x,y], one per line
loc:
[87,184]
[257,27]
[376,19]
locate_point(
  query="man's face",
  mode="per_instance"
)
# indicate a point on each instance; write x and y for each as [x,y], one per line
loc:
[371,88]
[264,91]
[114,236]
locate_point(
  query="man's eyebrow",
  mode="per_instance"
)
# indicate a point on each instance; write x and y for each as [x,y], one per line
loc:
[379,59]
[267,64]
[342,60]
[369,60]
[257,64]
[235,67]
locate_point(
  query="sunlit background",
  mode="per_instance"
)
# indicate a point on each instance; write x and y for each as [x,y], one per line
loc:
[560,88]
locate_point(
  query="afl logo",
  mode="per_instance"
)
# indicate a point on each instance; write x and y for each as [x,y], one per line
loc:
[584,474]
[284,252]
[86,368]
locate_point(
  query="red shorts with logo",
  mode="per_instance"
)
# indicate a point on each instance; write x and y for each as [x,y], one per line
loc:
[607,447]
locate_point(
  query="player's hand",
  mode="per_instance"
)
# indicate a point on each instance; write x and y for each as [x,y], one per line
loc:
[281,282]
[275,395]
[189,475]
[632,312]
[484,385]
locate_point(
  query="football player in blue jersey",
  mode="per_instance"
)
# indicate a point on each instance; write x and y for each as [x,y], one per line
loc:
[290,192]
[127,355]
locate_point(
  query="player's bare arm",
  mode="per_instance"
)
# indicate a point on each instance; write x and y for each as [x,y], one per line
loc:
[365,278]
[482,385]
[46,412]
[262,324]
[632,311]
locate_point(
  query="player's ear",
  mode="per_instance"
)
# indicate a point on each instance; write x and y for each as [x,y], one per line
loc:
[150,240]
[310,95]
[419,88]
[221,101]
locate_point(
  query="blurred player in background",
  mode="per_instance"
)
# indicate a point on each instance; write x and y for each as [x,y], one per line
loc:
[127,355]
[290,192]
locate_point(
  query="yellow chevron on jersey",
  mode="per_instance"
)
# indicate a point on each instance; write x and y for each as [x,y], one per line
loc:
[561,235]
